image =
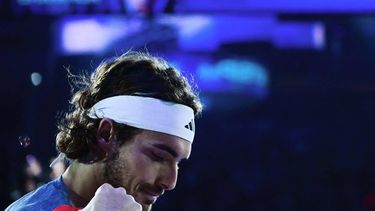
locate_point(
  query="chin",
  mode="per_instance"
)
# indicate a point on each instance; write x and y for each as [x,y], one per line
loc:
[145,202]
[146,207]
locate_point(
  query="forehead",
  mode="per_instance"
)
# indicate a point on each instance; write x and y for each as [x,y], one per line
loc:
[148,138]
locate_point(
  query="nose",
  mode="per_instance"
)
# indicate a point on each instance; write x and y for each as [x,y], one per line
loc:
[168,177]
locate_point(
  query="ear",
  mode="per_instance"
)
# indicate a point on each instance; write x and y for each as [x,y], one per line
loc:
[106,140]
[105,129]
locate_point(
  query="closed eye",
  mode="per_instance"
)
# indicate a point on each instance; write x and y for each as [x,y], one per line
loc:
[163,153]
[154,157]
[159,156]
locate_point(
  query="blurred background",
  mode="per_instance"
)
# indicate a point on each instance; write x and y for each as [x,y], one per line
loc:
[288,88]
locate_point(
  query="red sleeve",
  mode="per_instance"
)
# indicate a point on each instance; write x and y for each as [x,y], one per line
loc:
[65,208]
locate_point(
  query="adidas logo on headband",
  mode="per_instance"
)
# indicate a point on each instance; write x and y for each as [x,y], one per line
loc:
[190,126]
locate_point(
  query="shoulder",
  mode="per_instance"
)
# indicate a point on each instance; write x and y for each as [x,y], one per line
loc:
[46,197]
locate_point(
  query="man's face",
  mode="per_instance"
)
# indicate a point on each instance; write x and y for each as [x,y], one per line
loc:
[147,165]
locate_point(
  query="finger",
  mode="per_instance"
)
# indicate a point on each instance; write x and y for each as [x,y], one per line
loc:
[105,187]
[128,199]
[121,190]
[137,207]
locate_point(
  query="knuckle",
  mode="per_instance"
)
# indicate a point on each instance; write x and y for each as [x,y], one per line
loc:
[131,198]
[106,186]
[121,190]
[104,189]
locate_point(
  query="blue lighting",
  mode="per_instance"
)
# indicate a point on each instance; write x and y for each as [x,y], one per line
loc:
[242,72]
[52,2]
[229,75]
[142,7]
[208,33]
[93,34]
[36,78]
[299,35]
[276,6]
[233,75]
[84,36]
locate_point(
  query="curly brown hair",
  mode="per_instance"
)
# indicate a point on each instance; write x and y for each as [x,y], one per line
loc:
[133,73]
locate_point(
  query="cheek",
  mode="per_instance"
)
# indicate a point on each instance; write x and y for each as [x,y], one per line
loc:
[145,169]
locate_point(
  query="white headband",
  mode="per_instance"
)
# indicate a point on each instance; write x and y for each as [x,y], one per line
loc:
[147,113]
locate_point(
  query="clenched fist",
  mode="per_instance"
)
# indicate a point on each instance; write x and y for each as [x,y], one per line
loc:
[108,198]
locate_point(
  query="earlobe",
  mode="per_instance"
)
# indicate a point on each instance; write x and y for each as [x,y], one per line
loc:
[103,144]
[108,147]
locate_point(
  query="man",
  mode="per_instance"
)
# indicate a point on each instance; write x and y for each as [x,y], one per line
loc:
[129,126]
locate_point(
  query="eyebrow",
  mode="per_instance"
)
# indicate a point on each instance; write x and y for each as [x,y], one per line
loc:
[167,149]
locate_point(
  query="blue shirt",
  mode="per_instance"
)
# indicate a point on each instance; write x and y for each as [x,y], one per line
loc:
[46,197]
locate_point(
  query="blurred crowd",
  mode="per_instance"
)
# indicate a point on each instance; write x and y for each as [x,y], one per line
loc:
[35,175]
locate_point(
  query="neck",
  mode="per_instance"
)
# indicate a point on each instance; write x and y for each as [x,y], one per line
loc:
[81,181]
